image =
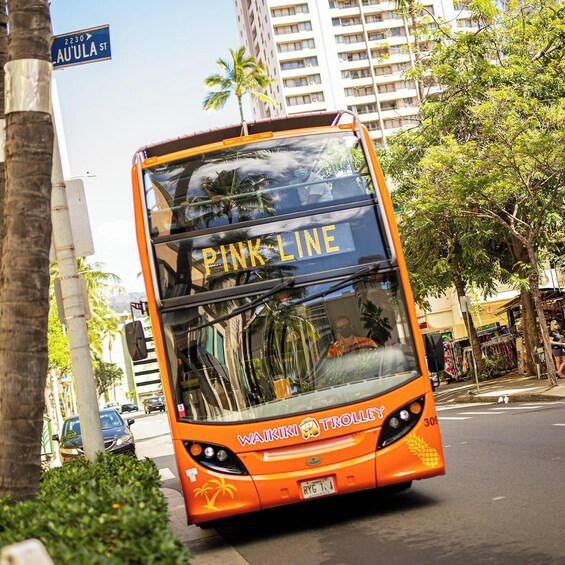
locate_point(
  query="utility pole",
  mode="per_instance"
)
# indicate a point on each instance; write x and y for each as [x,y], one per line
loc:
[74,312]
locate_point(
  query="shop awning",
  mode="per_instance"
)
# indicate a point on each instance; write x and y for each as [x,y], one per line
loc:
[546,294]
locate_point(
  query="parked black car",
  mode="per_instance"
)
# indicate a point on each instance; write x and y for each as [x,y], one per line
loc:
[154,404]
[118,438]
[129,407]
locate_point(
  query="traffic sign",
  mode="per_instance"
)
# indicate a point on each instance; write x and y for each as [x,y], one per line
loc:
[79,47]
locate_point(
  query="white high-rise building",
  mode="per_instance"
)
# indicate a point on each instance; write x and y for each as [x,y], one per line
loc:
[337,55]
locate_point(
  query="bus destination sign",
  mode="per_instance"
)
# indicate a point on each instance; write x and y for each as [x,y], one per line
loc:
[79,47]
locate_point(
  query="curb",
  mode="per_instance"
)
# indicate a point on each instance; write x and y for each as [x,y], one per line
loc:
[493,397]
[206,546]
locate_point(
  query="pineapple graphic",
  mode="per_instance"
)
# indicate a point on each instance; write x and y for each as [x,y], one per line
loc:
[419,447]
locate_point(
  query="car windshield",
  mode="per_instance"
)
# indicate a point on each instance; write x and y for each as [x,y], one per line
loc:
[108,420]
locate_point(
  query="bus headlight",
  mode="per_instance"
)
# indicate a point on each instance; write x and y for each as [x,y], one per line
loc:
[215,457]
[400,422]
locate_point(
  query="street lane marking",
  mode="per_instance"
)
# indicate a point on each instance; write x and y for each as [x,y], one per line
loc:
[454,418]
[558,424]
[460,406]
[487,412]
[529,407]
[166,474]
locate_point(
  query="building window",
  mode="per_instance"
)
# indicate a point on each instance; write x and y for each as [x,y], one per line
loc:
[343,5]
[380,52]
[355,56]
[293,28]
[376,35]
[373,18]
[356,73]
[391,105]
[289,11]
[347,39]
[299,63]
[345,22]
[359,91]
[295,46]
[393,123]
[305,99]
[363,108]
[372,126]
[296,82]
[382,71]
[389,87]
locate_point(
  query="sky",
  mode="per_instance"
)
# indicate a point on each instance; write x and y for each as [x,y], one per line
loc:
[151,90]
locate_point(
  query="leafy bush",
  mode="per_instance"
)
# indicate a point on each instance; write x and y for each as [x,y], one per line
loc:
[108,512]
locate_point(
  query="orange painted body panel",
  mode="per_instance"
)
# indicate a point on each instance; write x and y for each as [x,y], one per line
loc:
[346,449]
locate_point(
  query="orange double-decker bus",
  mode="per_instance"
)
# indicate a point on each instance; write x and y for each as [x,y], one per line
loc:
[282,316]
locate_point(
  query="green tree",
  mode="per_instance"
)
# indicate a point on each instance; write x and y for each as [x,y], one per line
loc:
[103,326]
[241,75]
[495,131]
[26,239]
[107,375]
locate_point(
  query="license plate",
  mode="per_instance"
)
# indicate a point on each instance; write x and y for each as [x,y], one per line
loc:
[318,487]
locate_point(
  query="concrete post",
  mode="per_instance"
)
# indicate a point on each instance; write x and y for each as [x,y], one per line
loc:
[75,317]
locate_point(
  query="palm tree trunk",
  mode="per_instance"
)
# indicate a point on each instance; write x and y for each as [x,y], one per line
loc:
[240,106]
[24,271]
[3,60]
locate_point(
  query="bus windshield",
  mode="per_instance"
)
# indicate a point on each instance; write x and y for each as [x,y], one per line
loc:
[297,350]
[255,181]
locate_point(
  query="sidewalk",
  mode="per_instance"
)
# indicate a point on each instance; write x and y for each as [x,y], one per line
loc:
[207,547]
[512,387]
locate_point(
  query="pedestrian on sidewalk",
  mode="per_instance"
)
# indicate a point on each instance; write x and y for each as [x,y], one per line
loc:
[557,348]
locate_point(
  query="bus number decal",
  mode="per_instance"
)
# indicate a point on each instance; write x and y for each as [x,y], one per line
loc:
[432,421]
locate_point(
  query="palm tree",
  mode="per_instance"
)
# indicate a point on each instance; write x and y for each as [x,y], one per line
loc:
[24,273]
[242,75]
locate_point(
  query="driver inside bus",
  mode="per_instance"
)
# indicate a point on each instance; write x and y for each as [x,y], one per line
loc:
[347,341]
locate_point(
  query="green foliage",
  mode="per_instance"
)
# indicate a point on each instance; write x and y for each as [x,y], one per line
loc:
[106,513]
[481,180]
[241,75]
[107,375]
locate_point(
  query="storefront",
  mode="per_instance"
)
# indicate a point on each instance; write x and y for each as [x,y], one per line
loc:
[553,307]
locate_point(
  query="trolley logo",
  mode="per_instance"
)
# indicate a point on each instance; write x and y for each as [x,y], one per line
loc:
[311,427]
[279,248]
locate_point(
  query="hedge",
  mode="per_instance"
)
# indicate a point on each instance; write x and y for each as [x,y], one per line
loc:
[108,512]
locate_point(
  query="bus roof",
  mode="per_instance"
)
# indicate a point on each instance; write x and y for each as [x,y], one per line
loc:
[298,121]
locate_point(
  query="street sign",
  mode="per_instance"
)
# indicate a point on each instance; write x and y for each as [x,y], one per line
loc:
[79,47]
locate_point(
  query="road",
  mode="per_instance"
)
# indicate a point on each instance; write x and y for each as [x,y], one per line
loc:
[501,501]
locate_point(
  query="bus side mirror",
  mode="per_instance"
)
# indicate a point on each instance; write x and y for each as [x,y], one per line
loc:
[135,339]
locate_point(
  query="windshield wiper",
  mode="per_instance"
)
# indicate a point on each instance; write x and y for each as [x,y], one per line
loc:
[370,269]
[286,283]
